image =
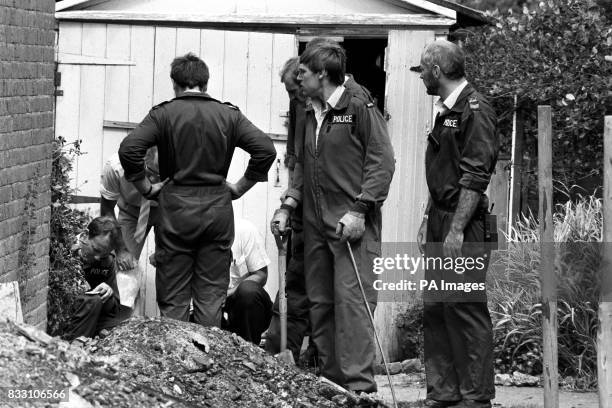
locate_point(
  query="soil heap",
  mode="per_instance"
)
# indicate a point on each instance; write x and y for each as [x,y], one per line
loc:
[160,363]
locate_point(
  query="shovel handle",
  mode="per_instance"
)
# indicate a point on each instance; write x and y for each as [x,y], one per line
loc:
[281,241]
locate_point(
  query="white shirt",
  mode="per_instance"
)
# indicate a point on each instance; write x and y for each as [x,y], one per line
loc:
[248,252]
[331,103]
[114,186]
[443,105]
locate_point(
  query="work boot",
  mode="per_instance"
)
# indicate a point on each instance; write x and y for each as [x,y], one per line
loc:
[472,404]
[432,403]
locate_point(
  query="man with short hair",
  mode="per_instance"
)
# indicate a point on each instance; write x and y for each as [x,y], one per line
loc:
[196,136]
[97,308]
[461,155]
[342,179]
[116,191]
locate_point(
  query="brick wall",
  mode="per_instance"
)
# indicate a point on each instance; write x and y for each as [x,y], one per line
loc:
[26,133]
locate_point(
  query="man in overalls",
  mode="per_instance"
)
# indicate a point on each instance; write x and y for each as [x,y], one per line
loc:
[196,136]
[461,155]
[342,179]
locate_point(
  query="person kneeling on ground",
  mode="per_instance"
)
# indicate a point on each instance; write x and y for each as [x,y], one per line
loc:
[99,307]
[248,305]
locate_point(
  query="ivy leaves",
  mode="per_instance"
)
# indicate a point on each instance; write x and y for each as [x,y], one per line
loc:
[553,54]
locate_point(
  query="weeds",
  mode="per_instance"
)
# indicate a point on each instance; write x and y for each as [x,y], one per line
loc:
[515,299]
[65,278]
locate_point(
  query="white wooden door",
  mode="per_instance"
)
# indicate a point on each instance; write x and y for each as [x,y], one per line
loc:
[410,110]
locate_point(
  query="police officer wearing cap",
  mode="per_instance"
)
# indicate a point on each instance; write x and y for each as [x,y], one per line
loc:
[461,155]
[196,136]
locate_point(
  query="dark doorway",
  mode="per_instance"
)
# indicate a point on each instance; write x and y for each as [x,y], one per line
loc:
[365,60]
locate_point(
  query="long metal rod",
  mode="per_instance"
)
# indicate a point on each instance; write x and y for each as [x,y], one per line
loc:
[367,306]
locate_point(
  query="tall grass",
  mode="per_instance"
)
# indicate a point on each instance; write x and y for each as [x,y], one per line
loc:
[515,301]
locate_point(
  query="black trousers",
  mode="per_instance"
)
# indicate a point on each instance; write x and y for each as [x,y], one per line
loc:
[249,311]
[458,335]
[92,315]
[298,307]
[193,251]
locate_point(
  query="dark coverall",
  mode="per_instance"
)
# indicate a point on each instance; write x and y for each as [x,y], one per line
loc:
[196,136]
[93,314]
[349,168]
[298,321]
[461,153]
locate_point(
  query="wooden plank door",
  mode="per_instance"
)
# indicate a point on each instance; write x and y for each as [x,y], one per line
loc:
[410,110]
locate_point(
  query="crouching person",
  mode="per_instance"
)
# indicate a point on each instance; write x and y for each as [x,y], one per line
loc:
[248,305]
[97,308]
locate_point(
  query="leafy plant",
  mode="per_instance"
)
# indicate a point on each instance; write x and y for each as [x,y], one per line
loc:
[515,299]
[552,54]
[65,279]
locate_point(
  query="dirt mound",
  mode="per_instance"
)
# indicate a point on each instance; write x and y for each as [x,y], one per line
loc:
[163,363]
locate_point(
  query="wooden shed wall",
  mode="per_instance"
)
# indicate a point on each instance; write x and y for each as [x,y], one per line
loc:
[244,69]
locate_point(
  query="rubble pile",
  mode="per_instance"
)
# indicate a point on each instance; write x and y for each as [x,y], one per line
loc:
[163,363]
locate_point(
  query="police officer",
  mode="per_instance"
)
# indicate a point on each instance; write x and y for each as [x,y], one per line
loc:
[298,307]
[461,155]
[342,179]
[97,308]
[196,136]
[298,322]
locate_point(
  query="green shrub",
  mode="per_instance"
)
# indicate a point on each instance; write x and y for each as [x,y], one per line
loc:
[410,325]
[552,53]
[515,300]
[65,279]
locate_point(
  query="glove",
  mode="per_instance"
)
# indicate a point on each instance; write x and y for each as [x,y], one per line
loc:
[280,221]
[351,226]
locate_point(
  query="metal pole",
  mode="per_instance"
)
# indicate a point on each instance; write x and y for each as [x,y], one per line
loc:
[367,306]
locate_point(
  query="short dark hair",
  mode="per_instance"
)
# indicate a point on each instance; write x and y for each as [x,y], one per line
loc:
[103,225]
[290,69]
[448,56]
[189,71]
[325,55]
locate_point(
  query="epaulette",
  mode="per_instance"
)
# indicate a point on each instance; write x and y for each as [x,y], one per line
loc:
[159,104]
[474,104]
[231,105]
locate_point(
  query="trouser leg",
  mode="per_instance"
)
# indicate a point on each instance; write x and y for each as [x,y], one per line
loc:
[173,282]
[319,277]
[471,329]
[210,282]
[457,333]
[92,314]
[471,340]
[354,335]
[440,370]
[249,311]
